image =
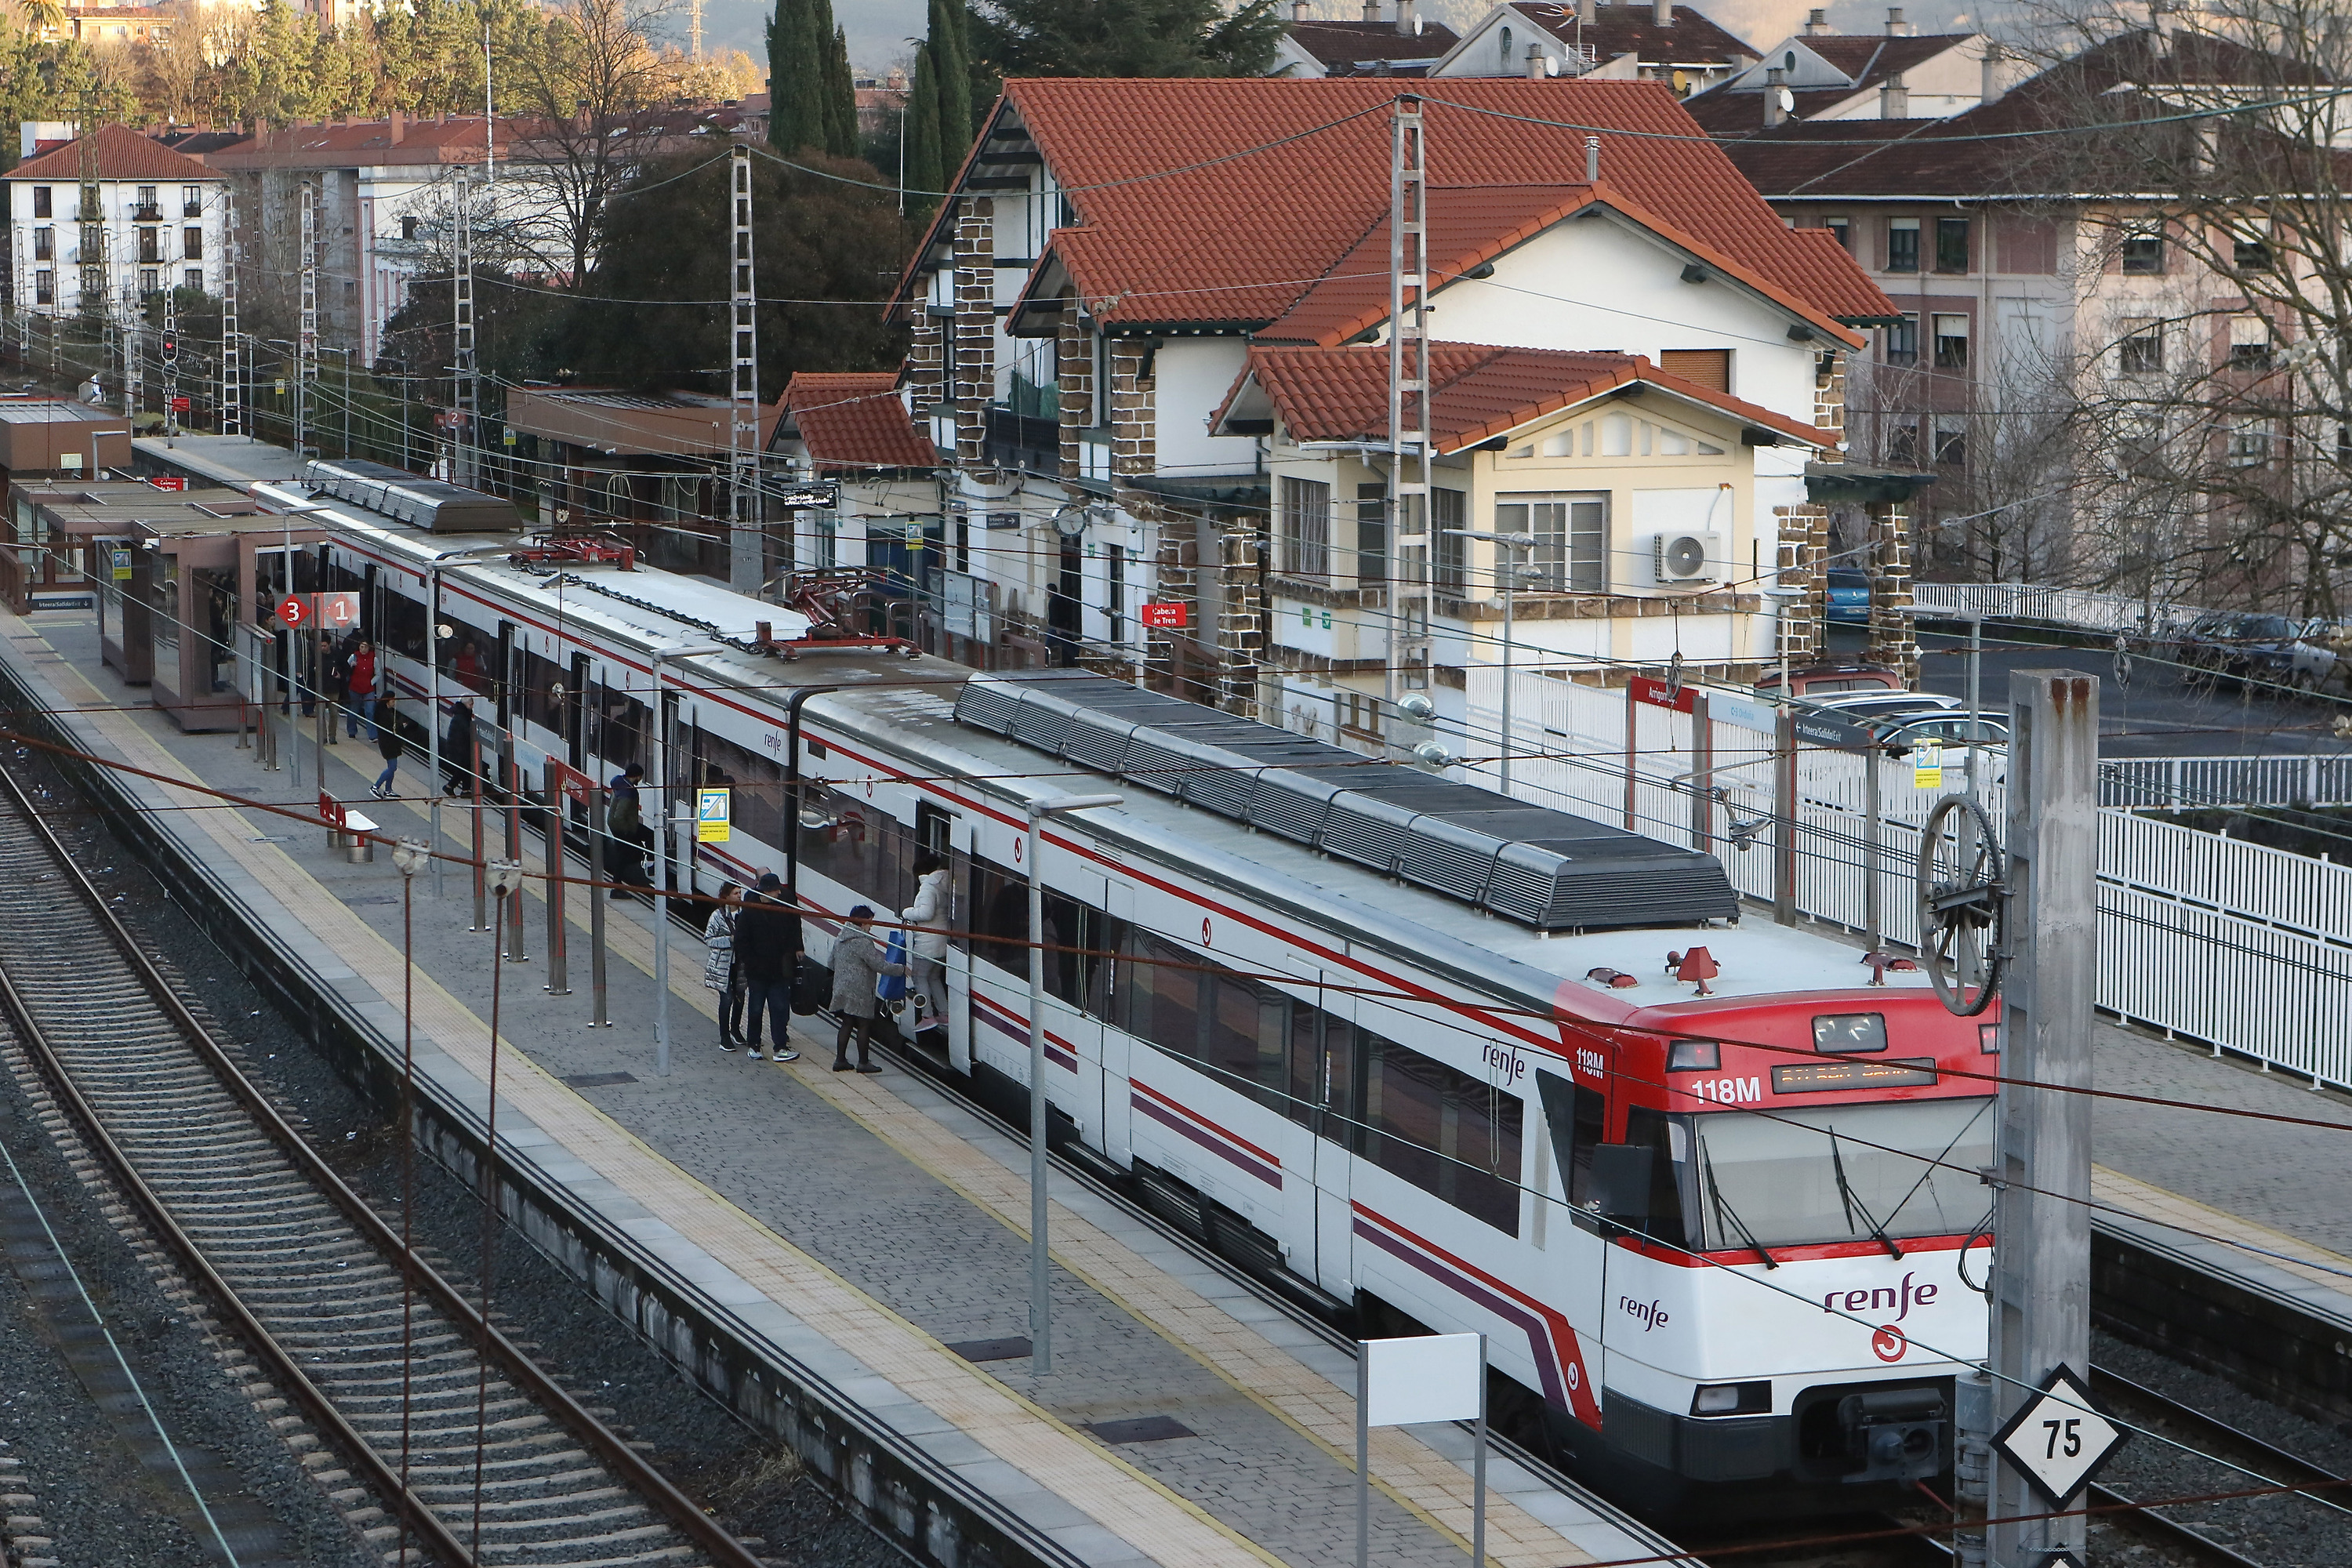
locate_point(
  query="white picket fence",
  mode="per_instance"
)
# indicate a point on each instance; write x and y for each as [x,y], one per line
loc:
[2237,946]
[2189,783]
[2083,607]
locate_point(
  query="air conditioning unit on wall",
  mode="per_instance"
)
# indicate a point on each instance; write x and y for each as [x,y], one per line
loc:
[1686,557]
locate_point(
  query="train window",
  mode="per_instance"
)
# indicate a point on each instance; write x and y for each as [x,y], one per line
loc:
[404,625]
[1843,1172]
[541,706]
[1579,1120]
[858,844]
[1248,1032]
[758,784]
[1667,1138]
[1448,1134]
[1846,1031]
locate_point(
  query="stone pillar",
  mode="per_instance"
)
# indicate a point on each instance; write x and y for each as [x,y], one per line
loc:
[1804,543]
[925,357]
[975,329]
[1828,399]
[1074,372]
[1240,632]
[1893,641]
[1134,441]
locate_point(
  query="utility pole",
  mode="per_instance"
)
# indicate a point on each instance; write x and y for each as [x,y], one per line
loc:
[306,348]
[171,363]
[746,560]
[465,401]
[96,293]
[2041,1276]
[1407,663]
[133,321]
[232,375]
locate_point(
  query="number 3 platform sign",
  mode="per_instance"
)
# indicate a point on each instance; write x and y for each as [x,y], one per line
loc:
[2057,1441]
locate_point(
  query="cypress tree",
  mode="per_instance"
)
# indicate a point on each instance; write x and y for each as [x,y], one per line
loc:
[922,130]
[840,99]
[950,44]
[795,106]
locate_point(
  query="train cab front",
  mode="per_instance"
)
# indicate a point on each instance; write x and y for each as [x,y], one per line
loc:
[1791,1199]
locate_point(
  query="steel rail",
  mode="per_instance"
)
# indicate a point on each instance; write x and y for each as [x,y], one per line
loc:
[631,1467]
[2266,1455]
[2145,1520]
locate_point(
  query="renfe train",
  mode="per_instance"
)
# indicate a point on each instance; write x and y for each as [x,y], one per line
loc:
[1404,1048]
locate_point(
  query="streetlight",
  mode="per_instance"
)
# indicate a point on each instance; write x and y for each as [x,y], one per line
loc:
[1508,578]
[1041,1319]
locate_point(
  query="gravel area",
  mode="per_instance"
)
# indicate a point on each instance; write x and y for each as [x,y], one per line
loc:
[101,1507]
[2272,1531]
[755,1484]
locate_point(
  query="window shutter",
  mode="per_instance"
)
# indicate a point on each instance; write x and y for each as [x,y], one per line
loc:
[1710,368]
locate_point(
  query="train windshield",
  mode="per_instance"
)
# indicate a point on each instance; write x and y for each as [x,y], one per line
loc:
[1843,1172]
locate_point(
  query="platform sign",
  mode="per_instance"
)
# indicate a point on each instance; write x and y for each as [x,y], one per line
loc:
[1837,735]
[170,481]
[120,562]
[181,406]
[1927,767]
[339,612]
[1175,614]
[1661,694]
[711,808]
[294,610]
[1739,711]
[2057,1441]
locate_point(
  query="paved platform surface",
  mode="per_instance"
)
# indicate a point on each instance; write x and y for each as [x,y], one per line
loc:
[859,1223]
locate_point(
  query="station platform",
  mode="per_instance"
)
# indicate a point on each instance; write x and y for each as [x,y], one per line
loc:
[859,1227]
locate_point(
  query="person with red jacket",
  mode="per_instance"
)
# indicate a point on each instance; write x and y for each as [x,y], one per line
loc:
[362,688]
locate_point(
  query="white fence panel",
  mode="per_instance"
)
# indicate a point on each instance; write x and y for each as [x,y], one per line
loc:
[2240,946]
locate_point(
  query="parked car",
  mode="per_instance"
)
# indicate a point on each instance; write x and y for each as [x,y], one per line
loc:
[2230,645]
[1815,681]
[1849,596]
[1950,727]
[1885,704]
[2321,660]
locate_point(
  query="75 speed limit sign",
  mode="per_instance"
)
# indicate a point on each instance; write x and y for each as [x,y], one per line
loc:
[2057,1441]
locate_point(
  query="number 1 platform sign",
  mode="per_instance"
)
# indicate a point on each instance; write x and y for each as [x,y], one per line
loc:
[2057,1441]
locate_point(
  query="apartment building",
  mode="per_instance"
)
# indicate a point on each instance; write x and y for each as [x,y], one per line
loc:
[160,223]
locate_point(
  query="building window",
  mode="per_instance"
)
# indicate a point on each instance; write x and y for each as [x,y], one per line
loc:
[45,245]
[1903,244]
[1903,341]
[1358,712]
[1114,598]
[150,280]
[2250,344]
[192,243]
[1841,231]
[2141,352]
[1903,443]
[148,210]
[194,281]
[2250,251]
[1372,535]
[1305,537]
[192,201]
[1951,342]
[45,288]
[2143,249]
[408,226]
[1508,64]
[2249,444]
[1572,537]
[41,199]
[1447,514]
[150,244]
[1951,244]
[1951,442]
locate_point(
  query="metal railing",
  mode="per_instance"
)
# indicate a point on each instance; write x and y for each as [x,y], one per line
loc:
[2083,607]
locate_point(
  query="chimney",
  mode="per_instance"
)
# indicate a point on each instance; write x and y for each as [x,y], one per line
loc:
[1662,12]
[1896,27]
[1298,10]
[1588,12]
[1989,89]
[1817,21]
[1774,85]
[1404,18]
[396,122]
[1592,160]
[1538,66]
[1895,98]
[1371,10]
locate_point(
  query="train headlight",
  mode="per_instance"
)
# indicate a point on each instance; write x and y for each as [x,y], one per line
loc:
[1733,1398]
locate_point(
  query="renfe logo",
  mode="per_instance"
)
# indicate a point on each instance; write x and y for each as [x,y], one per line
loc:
[1507,1062]
[1650,1312]
[1880,1300]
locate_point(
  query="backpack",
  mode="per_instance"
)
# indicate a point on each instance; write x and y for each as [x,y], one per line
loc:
[891,989]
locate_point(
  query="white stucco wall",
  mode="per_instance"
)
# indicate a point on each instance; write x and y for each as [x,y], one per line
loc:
[1191,378]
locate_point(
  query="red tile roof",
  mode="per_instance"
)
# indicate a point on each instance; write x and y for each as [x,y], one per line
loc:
[855,420]
[1629,29]
[1478,392]
[123,154]
[1224,200]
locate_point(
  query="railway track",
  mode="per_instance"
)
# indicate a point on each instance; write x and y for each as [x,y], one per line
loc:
[305,1275]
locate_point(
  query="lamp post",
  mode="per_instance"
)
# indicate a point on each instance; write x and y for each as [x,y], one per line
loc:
[662,794]
[1506,577]
[1041,1320]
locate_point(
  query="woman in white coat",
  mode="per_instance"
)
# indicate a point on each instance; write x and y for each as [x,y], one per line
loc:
[927,941]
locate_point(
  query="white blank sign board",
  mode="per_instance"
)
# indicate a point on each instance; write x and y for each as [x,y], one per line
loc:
[1432,1377]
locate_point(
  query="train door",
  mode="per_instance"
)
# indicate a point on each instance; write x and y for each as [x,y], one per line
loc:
[505,675]
[1074,964]
[941,832]
[575,713]
[1115,1106]
[1323,1082]
[1574,1106]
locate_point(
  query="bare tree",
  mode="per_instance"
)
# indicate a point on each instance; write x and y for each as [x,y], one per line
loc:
[595,92]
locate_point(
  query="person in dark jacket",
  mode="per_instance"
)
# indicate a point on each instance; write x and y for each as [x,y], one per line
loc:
[625,829]
[768,956]
[457,751]
[387,741]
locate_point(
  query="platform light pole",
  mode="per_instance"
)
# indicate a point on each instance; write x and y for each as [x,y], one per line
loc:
[1041,1312]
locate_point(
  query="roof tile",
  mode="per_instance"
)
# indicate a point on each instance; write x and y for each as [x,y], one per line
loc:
[854,419]
[123,154]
